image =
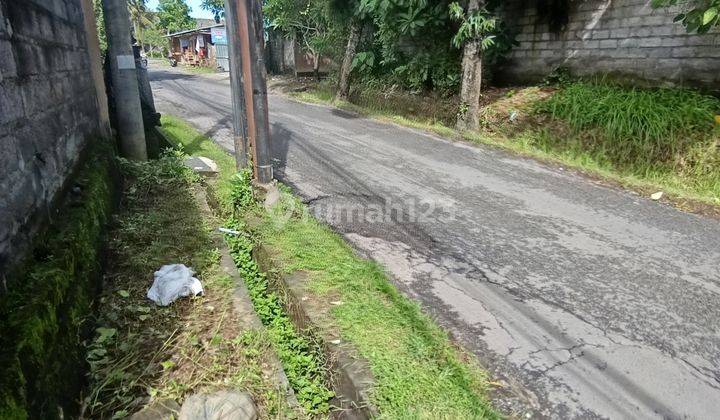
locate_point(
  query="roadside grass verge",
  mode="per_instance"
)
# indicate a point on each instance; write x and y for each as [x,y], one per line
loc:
[187,140]
[644,139]
[418,372]
[142,352]
[301,357]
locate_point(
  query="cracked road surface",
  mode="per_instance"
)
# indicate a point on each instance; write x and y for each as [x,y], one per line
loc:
[583,300]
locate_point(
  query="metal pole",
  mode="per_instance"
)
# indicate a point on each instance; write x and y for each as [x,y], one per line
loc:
[240,129]
[262,149]
[124,80]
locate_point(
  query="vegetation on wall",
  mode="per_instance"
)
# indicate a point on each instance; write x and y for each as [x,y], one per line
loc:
[44,314]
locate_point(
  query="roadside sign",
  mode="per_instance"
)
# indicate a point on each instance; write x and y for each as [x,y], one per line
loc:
[218,35]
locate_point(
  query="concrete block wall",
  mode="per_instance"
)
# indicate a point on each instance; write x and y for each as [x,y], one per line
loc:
[48,111]
[625,38]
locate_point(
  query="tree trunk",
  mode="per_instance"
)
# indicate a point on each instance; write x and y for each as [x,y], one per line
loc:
[316,66]
[469,113]
[353,40]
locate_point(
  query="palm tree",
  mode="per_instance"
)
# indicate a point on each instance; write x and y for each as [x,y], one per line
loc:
[140,17]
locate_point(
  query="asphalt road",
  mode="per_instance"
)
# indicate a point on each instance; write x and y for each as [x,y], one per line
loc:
[584,300]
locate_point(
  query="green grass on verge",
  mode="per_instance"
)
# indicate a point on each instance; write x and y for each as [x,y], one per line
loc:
[419,373]
[188,140]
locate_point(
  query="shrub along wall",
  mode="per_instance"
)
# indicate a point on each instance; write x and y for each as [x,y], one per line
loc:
[45,314]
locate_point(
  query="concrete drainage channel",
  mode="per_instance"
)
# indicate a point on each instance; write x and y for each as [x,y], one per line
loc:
[350,375]
[327,376]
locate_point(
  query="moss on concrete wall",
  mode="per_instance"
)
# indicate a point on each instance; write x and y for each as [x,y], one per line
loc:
[44,317]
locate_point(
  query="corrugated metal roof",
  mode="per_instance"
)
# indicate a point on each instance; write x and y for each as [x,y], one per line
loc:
[189,31]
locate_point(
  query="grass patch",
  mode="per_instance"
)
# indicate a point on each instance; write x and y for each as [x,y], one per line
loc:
[141,351]
[647,125]
[419,373]
[44,313]
[186,139]
[301,354]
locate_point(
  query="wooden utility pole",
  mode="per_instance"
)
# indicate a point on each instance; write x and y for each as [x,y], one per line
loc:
[247,66]
[131,130]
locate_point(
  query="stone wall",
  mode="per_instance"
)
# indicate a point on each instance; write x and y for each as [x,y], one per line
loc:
[625,38]
[48,111]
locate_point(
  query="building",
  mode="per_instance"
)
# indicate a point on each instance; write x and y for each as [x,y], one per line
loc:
[200,46]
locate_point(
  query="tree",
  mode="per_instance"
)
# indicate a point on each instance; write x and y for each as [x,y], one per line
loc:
[697,15]
[342,12]
[216,7]
[306,20]
[344,78]
[140,18]
[174,15]
[410,44]
[474,35]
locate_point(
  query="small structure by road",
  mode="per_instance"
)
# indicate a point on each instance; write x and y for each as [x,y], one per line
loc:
[200,47]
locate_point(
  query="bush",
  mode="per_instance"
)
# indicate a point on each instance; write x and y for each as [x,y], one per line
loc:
[637,125]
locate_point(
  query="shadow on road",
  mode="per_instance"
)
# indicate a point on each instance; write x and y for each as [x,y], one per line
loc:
[280,143]
[158,75]
[345,114]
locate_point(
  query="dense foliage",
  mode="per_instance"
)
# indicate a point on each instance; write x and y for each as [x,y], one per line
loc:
[174,15]
[697,15]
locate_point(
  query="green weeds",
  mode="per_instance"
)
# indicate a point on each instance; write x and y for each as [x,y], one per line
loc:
[418,373]
[636,125]
[301,356]
[44,314]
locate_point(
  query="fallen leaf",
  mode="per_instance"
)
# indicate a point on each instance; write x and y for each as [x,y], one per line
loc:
[123,293]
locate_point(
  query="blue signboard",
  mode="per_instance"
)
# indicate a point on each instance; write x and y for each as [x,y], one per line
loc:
[218,35]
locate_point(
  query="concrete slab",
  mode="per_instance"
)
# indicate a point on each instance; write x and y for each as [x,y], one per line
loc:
[202,165]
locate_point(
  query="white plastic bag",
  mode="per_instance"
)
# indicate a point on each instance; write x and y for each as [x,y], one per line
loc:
[172,282]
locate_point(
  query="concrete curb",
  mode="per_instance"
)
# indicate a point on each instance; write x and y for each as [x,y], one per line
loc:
[351,378]
[243,305]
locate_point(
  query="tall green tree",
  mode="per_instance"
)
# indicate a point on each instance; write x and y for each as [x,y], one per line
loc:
[216,7]
[174,15]
[474,36]
[697,15]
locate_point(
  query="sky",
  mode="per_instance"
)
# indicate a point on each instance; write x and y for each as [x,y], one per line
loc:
[196,12]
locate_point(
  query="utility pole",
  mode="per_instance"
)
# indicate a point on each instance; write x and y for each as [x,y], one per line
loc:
[246,43]
[124,80]
[238,75]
